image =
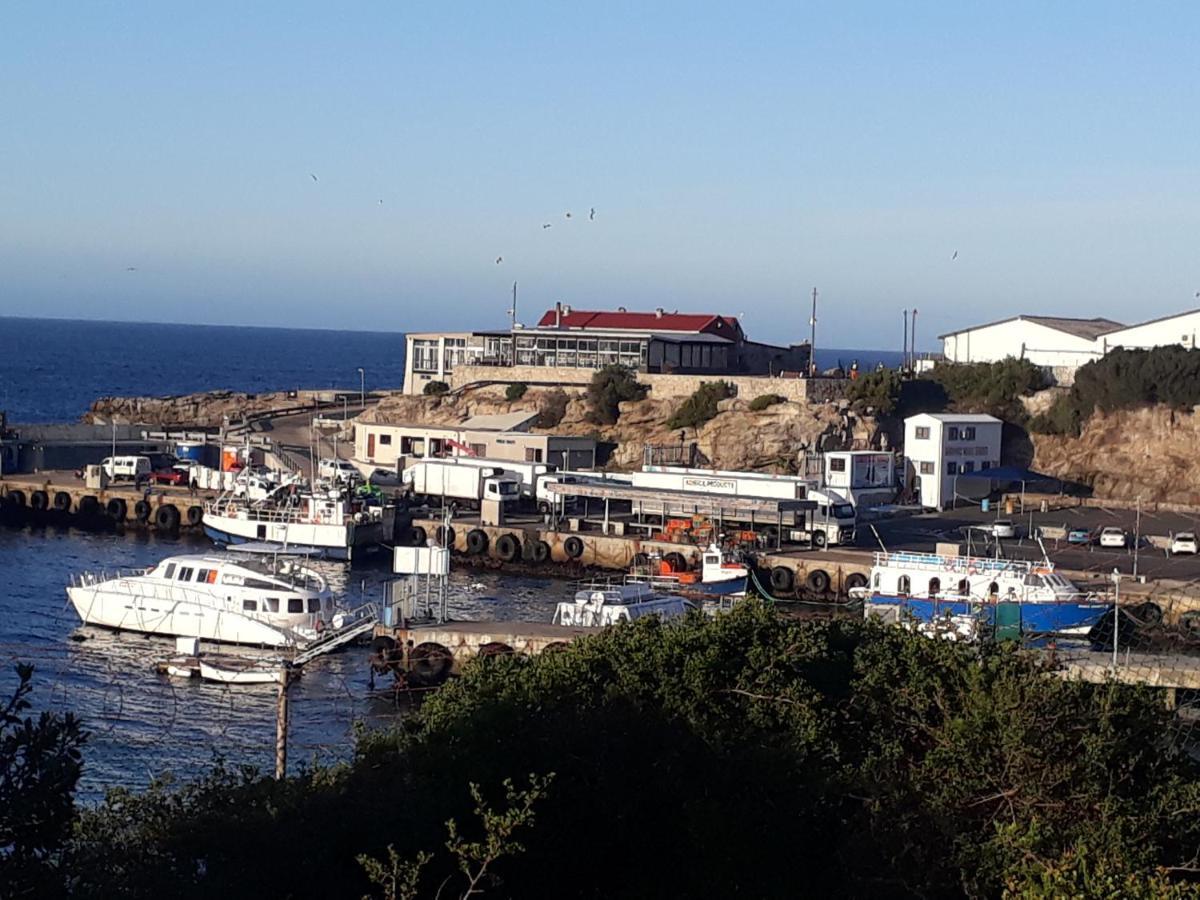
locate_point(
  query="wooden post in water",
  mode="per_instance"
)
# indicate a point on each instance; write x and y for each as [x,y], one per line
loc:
[281,725]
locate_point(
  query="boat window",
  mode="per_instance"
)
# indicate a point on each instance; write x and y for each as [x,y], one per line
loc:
[202,574]
[878,580]
[314,604]
[935,586]
[993,588]
[272,604]
[185,574]
[904,585]
[964,587]
[250,605]
[713,560]
[170,573]
[1032,580]
[232,579]
[295,604]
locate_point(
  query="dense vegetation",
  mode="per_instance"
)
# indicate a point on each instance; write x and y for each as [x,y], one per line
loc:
[746,756]
[515,392]
[766,401]
[701,405]
[993,388]
[1125,379]
[552,409]
[435,388]
[610,386]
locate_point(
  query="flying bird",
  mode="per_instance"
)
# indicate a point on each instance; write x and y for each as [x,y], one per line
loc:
[312,176]
[955,256]
[592,214]
[568,215]
[547,225]
[499,259]
[131,268]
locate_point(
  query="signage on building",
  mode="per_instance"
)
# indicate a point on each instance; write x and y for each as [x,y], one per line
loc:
[714,485]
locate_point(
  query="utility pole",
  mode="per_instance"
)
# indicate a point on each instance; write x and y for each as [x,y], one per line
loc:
[904,351]
[1137,536]
[912,356]
[812,341]
[362,388]
[1116,575]
[512,310]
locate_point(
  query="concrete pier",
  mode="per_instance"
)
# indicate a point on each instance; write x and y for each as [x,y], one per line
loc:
[60,498]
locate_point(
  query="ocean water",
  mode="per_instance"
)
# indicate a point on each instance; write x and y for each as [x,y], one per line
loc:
[52,369]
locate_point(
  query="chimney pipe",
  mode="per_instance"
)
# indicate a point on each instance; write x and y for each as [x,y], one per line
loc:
[557,314]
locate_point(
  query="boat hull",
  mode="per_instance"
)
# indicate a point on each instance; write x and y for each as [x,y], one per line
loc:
[1058,617]
[124,610]
[336,541]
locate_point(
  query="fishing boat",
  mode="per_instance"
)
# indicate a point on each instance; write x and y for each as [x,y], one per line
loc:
[272,601]
[967,597]
[334,522]
[600,603]
[721,575]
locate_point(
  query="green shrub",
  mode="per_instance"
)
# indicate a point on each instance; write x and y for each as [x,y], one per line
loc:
[515,392]
[436,389]
[702,405]
[1125,379]
[765,401]
[611,386]
[552,409]
[879,391]
[992,388]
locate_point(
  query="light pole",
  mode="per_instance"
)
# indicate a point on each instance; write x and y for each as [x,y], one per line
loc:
[362,388]
[1116,576]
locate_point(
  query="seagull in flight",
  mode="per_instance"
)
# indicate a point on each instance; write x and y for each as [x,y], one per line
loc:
[131,268]
[312,176]
[591,214]
[547,225]
[955,256]
[499,259]
[568,215]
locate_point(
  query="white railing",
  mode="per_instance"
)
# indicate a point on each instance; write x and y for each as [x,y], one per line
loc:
[934,562]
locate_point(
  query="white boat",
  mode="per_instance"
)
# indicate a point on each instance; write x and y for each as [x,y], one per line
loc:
[721,575]
[232,670]
[607,603]
[267,601]
[965,597]
[335,523]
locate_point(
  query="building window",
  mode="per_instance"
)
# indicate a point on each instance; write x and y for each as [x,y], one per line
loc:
[968,434]
[837,465]
[385,439]
[425,356]
[951,468]
[922,432]
[984,464]
[952,433]
[533,454]
[926,468]
[968,466]
[478,449]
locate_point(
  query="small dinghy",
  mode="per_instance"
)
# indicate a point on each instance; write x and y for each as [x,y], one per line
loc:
[239,670]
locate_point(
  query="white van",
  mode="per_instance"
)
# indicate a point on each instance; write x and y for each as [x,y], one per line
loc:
[339,470]
[133,468]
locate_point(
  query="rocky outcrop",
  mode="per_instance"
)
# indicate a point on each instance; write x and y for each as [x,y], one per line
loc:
[204,410]
[1149,453]
[773,439]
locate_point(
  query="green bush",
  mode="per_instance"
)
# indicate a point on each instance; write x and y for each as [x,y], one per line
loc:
[879,391]
[1125,379]
[702,405]
[515,392]
[765,401]
[436,389]
[992,388]
[552,409]
[609,387]
[872,760]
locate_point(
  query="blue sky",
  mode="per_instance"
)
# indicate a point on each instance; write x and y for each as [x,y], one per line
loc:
[736,156]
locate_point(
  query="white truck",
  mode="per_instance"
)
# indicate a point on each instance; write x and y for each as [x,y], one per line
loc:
[466,485]
[533,476]
[833,520]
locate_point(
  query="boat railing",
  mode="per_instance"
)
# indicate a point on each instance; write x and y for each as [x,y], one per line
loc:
[937,562]
[620,584]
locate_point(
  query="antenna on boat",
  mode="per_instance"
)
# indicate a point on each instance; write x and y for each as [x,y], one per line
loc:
[882,546]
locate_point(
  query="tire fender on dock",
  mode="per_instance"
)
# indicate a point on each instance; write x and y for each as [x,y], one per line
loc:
[116,508]
[818,581]
[195,515]
[573,547]
[39,500]
[88,505]
[62,501]
[782,579]
[141,511]
[446,536]
[477,541]
[508,548]
[540,552]
[417,536]
[15,498]
[167,517]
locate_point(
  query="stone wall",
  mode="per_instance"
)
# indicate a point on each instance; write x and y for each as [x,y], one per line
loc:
[662,386]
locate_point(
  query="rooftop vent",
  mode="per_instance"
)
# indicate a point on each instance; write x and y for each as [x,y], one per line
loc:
[658,313]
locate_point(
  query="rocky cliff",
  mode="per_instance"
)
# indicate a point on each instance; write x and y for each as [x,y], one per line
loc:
[737,438]
[203,410]
[1149,453]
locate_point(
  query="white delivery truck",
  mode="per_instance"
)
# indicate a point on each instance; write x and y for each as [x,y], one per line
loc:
[833,520]
[465,485]
[534,478]
[132,468]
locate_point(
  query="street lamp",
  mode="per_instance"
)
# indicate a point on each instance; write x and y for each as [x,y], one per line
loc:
[362,387]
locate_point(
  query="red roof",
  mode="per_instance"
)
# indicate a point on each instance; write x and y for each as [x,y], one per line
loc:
[698,323]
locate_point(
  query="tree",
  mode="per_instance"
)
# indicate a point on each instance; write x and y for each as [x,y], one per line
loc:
[515,392]
[766,401]
[553,408]
[435,388]
[701,405]
[40,764]
[610,386]
[879,391]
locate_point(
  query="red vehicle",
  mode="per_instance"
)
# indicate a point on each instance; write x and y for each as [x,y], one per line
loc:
[171,476]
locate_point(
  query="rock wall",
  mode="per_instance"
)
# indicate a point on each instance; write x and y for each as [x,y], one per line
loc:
[203,410]
[1152,453]
[737,438]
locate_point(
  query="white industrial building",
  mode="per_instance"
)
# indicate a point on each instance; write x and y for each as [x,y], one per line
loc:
[1064,344]
[866,477]
[941,447]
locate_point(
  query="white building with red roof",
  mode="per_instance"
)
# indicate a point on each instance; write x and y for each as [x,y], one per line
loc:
[564,338]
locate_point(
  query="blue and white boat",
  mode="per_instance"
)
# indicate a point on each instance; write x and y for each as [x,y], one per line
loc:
[966,597]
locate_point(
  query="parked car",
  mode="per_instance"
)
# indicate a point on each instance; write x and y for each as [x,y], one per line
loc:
[173,475]
[1004,528]
[133,468]
[1112,536]
[385,478]
[1184,542]
[1079,536]
[339,470]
